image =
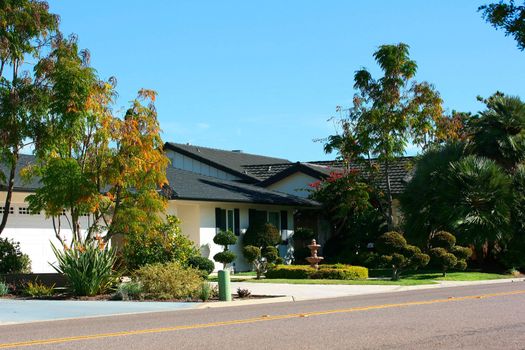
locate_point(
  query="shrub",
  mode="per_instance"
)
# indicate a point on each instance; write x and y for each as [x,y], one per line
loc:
[36,289]
[262,235]
[88,267]
[129,291]
[396,252]
[161,244]
[204,265]
[446,254]
[443,239]
[4,289]
[303,234]
[224,257]
[261,258]
[243,293]
[169,280]
[207,291]
[225,238]
[11,258]
[339,271]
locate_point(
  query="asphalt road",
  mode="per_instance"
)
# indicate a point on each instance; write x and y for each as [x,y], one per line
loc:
[474,317]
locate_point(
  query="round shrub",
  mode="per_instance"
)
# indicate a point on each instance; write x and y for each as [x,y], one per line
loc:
[303,234]
[11,258]
[205,265]
[461,253]
[391,242]
[224,257]
[169,281]
[270,253]
[443,239]
[251,253]
[262,235]
[461,265]
[443,258]
[225,238]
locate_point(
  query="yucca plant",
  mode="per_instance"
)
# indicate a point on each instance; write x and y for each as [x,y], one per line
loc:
[87,266]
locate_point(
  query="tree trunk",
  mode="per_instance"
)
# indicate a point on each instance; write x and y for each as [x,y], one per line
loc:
[10,186]
[395,273]
[389,216]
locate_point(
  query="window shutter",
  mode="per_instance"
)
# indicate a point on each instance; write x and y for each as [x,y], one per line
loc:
[284,220]
[236,222]
[220,219]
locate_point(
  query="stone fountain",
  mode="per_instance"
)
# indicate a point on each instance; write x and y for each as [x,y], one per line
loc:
[314,259]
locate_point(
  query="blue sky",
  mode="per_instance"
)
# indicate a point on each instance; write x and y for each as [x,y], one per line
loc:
[264,76]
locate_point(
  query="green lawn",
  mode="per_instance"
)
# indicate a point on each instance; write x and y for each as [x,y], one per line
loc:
[382,277]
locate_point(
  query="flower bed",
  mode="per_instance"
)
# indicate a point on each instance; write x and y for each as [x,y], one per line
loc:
[337,272]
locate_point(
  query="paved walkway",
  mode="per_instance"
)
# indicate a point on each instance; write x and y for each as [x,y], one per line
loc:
[319,291]
[18,311]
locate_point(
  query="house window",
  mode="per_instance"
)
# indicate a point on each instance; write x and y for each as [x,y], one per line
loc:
[227,219]
[25,211]
[11,210]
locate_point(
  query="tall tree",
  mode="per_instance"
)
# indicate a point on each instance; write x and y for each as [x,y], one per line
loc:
[26,31]
[508,16]
[388,113]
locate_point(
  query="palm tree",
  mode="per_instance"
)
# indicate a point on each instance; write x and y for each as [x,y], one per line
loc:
[498,133]
[478,202]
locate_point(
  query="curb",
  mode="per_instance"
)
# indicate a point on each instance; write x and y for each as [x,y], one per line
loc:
[269,300]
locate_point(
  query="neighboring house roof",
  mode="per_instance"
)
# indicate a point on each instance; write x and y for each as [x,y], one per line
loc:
[186,185]
[20,183]
[233,162]
[400,170]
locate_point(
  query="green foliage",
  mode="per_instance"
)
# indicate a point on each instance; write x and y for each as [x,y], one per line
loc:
[443,239]
[12,260]
[207,291]
[88,267]
[395,251]
[509,17]
[160,244]
[131,290]
[303,234]
[261,258]
[4,289]
[262,235]
[225,257]
[169,280]
[225,238]
[338,271]
[204,265]
[446,254]
[36,289]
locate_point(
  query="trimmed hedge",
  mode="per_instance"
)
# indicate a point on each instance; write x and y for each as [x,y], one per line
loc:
[332,272]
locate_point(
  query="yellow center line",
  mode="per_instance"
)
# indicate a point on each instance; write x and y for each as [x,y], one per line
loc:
[249,320]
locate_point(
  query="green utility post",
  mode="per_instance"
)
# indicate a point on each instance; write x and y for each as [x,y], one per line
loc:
[224,286]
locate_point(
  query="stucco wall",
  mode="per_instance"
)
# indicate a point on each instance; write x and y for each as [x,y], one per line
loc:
[34,232]
[296,184]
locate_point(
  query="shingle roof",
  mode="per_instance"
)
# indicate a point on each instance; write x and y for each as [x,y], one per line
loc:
[400,171]
[232,161]
[191,186]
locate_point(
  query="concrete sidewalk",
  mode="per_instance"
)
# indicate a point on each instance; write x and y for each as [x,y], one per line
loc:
[319,291]
[22,311]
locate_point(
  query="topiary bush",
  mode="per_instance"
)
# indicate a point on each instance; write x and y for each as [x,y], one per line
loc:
[225,238]
[204,265]
[395,251]
[169,281]
[262,235]
[446,254]
[338,271]
[12,260]
[261,258]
